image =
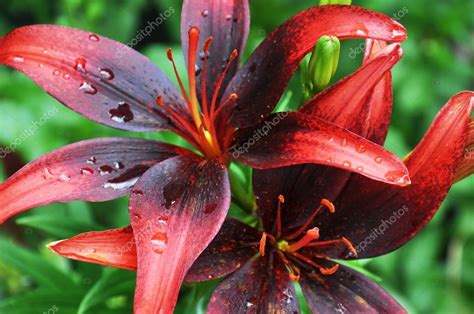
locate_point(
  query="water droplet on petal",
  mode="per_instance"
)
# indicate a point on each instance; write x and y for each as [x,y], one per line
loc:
[94,37]
[205,13]
[118,165]
[80,65]
[360,31]
[378,159]
[210,208]
[66,76]
[122,113]
[228,17]
[88,88]
[64,177]
[398,177]
[159,242]
[249,304]
[105,169]
[92,160]
[47,174]
[138,192]
[347,164]
[117,186]
[87,170]
[106,73]
[361,148]
[56,72]
[197,70]
[163,220]
[360,168]
[18,59]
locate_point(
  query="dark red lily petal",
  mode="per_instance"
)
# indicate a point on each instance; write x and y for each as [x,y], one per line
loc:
[286,139]
[94,170]
[176,209]
[114,248]
[260,286]
[361,103]
[262,80]
[233,246]
[99,78]
[346,291]
[466,166]
[377,218]
[227,22]
[355,102]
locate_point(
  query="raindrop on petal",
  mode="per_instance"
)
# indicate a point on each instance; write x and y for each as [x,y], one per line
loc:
[159,242]
[106,73]
[88,88]
[64,177]
[92,160]
[122,113]
[80,65]
[105,169]
[87,170]
[347,164]
[94,37]
[18,59]
[205,13]
[378,159]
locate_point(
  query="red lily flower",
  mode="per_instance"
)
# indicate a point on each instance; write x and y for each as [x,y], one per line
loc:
[367,219]
[180,198]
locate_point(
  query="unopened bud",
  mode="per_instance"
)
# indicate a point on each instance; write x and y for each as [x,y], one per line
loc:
[324,61]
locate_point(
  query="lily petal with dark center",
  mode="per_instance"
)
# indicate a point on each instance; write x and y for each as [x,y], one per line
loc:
[104,80]
[176,209]
[94,170]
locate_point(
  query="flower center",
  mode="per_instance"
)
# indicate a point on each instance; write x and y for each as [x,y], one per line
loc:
[288,247]
[202,128]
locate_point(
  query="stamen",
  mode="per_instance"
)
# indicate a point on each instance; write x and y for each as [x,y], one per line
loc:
[192,54]
[263,241]
[311,234]
[232,97]
[324,203]
[232,57]
[169,53]
[343,241]
[323,270]
[281,200]
[293,272]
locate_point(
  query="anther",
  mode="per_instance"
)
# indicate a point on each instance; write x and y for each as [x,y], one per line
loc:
[311,234]
[324,203]
[263,242]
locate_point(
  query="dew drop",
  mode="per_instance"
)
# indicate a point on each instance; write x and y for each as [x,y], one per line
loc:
[347,164]
[118,165]
[66,76]
[159,242]
[163,220]
[106,74]
[18,59]
[249,304]
[88,88]
[205,13]
[56,72]
[197,70]
[228,17]
[92,160]
[122,113]
[80,65]
[361,148]
[87,170]
[105,169]
[360,31]
[360,168]
[210,208]
[398,177]
[64,178]
[47,173]
[117,186]
[378,160]
[93,37]
[45,51]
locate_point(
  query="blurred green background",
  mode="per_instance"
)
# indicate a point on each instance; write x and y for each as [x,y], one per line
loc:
[434,273]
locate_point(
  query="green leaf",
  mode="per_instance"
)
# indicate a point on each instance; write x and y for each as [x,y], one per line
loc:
[57,226]
[44,274]
[113,283]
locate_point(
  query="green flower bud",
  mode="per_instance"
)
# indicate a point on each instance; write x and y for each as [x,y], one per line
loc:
[324,2]
[323,63]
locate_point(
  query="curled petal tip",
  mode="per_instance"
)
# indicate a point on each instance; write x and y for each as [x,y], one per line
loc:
[52,246]
[399,33]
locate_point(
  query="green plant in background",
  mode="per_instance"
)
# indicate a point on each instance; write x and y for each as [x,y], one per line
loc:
[438,61]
